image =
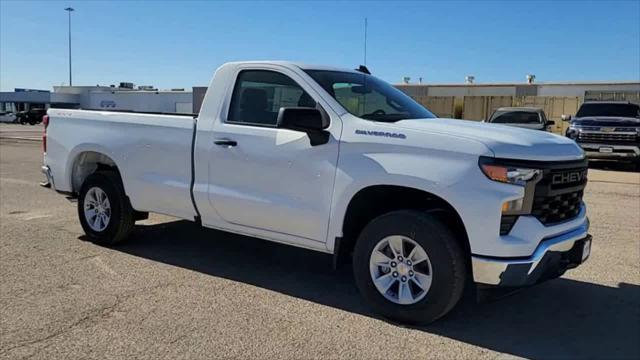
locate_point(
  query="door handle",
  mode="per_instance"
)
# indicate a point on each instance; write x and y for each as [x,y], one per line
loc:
[225,142]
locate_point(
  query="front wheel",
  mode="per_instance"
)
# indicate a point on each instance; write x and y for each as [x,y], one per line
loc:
[104,210]
[409,267]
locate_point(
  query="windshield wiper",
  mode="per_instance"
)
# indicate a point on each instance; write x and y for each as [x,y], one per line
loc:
[385,117]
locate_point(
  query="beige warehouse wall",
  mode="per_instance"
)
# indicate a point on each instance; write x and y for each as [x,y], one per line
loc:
[443,106]
[479,108]
[632,96]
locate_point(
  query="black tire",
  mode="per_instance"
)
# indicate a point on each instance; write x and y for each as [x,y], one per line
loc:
[447,261]
[121,221]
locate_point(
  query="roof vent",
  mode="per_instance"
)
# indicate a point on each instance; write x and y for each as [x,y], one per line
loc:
[530,78]
[469,79]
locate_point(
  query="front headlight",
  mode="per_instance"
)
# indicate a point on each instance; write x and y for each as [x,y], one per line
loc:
[515,175]
[509,175]
[573,132]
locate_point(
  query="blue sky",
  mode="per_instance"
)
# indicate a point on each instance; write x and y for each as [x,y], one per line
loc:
[180,44]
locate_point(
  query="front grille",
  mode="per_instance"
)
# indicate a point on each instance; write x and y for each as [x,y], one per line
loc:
[558,208]
[612,136]
[558,195]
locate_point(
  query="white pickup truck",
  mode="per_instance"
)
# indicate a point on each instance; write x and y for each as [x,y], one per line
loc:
[340,162]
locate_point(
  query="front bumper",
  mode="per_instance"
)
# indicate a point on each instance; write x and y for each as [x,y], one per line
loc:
[613,152]
[551,259]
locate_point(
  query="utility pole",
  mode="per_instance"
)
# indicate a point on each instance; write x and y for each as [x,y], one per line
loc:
[365,41]
[69,10]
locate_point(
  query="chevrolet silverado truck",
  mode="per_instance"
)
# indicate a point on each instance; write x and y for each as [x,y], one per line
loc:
[340,162]
[607,130]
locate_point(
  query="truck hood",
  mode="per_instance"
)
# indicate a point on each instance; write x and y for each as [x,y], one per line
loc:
[505,141]
[605,121]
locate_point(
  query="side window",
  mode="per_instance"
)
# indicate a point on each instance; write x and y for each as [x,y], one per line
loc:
[259,94]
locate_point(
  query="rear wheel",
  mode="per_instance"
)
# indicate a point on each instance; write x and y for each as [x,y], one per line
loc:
[409,267]
[104,210]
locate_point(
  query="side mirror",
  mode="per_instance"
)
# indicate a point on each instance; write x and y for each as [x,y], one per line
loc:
[309,120]
[565,117]
[550,122]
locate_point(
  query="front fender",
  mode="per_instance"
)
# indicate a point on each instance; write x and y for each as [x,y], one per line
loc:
[452,176]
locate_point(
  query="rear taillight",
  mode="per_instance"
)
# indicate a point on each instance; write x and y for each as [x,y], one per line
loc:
[45,122]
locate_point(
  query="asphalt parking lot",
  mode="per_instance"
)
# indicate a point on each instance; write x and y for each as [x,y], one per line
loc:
[179,291]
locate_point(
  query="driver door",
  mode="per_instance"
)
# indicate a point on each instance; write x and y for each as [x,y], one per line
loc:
[266,180]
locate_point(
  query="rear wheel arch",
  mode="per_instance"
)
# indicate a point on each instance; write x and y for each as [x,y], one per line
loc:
[376,200]
[87,163]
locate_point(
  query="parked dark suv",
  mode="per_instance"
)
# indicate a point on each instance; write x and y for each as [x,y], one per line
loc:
[31,116]
[607,130]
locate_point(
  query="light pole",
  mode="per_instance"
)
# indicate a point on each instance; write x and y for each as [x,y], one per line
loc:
[69,10]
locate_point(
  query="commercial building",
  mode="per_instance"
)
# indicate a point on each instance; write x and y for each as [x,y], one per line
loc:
[621,90]
[26,99]
[128,97]
[472,101]
[122,97]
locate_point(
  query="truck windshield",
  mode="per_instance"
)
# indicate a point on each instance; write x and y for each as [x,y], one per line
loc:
[621,110]
[368,97]
[515,117]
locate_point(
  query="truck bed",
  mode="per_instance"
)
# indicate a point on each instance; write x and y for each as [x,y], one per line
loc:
[151,151]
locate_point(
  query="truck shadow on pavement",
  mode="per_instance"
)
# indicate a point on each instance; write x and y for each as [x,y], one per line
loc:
[559,319]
